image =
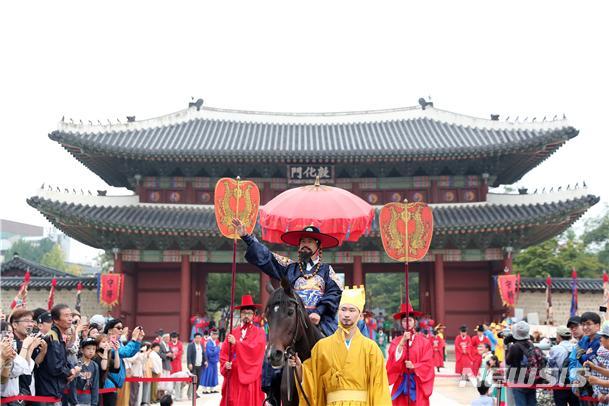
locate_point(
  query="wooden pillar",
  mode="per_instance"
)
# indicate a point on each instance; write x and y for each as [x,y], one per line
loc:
[185,298]
[358,274]
[439,290]
[203,290]
[264,294]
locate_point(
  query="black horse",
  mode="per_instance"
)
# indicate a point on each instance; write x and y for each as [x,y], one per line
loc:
[290,331]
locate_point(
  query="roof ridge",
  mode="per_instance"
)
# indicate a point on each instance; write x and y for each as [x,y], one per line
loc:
[307,118]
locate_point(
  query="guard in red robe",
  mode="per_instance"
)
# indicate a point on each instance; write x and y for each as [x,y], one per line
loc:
[177,349]
[241,357]
[410,364]
[438,345]
[478,340]
[463,350]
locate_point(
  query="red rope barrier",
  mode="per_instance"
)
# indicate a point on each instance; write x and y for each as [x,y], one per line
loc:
[50,399]
[166,379]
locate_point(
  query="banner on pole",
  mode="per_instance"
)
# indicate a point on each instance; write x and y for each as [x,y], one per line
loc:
[507,289]
[110,288]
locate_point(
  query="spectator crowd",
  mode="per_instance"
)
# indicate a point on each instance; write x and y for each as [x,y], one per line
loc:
[68,360]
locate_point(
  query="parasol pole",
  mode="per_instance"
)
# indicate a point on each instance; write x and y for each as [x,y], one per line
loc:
[406,217]
[232,293]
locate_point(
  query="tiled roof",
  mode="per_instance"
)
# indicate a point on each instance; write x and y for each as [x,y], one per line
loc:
[14,282]
[398,135]
[21,265]
[562,284]
[85,221]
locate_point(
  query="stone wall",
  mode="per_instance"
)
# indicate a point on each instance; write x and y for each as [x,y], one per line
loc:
[535,301]
[38,298]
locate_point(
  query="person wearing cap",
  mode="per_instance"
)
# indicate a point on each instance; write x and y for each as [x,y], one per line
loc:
[410,363]
[575,325]
[44,322]
[85,387]
[599,369]
[314,281]
[241,359]
[463,350]
[587,346]
[558,362]
[345,368]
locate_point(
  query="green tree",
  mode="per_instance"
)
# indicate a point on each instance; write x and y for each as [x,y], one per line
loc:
[557,257]
[219,288]
[31,250]
[55,259]
[596,237]
[105,261]
[74,269]
[386,290]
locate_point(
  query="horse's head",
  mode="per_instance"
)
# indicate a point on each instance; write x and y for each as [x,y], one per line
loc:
[285,315]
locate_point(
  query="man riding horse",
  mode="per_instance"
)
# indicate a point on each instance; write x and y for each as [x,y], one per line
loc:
[314,281]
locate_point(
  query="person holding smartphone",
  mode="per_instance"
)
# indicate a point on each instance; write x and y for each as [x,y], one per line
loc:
[114,329]
[22,323]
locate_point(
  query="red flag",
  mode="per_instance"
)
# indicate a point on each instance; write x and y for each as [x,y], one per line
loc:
[507,289]
[21,297]
[110,289]
[52,294]
[78,290]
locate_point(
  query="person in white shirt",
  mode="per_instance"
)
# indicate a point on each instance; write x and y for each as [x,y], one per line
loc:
[152,369]
[195,359]
[484,399]
[21,364]
[136,364]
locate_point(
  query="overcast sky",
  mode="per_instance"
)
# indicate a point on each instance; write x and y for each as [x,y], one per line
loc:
[115,58]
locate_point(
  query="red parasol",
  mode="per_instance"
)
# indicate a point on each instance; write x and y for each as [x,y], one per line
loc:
[333,210]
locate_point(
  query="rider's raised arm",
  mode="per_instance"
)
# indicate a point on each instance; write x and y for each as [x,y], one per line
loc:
[259,255]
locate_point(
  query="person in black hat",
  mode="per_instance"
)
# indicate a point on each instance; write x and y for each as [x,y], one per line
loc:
[575,325]
[314,281]
[85,387]
[44,322]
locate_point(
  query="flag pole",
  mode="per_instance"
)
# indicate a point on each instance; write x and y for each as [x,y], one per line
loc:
[232,293]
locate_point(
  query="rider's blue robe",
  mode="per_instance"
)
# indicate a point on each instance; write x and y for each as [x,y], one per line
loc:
[320,292]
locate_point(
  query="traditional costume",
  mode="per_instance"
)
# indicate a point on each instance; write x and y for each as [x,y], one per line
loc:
[410,386]
[177,349]
[246,356]
[438,345]
[315,282]
[342,372]
[476,356]
[463,350]
[209,375]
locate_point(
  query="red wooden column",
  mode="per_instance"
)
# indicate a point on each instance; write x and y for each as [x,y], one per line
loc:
[118,268]
[439,289]
[185,298]
[264,294]
[203,290]
[358,274]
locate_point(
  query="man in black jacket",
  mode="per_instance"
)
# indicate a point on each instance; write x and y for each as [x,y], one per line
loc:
[195,359]
[54,372]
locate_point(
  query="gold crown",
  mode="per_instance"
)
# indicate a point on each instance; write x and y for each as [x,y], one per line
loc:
[354,296]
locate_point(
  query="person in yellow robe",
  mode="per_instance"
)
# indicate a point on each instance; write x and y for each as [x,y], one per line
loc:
[500,346]
[345,368]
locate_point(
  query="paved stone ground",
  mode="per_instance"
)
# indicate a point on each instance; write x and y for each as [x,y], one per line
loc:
[447,392]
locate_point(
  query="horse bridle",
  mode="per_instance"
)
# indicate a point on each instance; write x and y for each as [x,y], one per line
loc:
[289,352]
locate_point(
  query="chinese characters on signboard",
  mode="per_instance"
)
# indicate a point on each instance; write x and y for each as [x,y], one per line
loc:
[308,173]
